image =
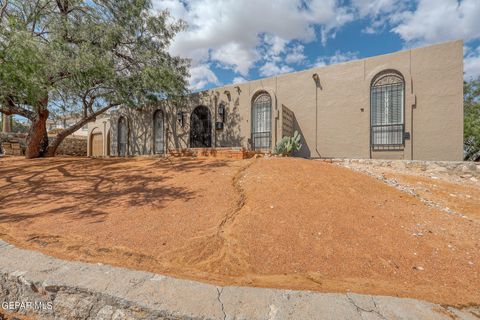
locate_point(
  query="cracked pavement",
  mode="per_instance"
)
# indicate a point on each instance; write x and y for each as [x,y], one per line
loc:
[97,291]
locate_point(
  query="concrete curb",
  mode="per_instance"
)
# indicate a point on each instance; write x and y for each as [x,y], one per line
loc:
[55,289]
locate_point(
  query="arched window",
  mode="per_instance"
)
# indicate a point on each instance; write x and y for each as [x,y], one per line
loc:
[262,121]
[387,111]
[158,132]
[122,137]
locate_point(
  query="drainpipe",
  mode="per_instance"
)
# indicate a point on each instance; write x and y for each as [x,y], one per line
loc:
[214,126]
[316,78]
[413,107]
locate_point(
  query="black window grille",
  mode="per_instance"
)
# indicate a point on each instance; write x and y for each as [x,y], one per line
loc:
[262,122]
[122,137]
[158,133]
[387,112]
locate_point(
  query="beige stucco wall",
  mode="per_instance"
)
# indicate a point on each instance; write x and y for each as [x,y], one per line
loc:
[101,124]
[334,119]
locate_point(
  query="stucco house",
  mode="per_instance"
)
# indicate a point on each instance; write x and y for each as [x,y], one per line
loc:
[65,121]
[404,105]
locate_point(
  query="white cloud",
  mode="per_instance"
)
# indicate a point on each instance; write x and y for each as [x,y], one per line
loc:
[296,55]
[275,44]
[378,12]
[374,8]
[239,80]
[234,56]
[439,20]
[472,63]
[242,35]
[272,69]
[175,7]
[200,76]
[234,34]
[338,57]
[423,22]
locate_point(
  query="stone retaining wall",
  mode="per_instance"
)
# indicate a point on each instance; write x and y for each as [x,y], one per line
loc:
[459,168]
[14,144]
[75,290]
[73,146]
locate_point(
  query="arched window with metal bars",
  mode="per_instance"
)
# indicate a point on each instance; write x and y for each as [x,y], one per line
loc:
[158,132]
[262,121]
[122,137]
[387,111]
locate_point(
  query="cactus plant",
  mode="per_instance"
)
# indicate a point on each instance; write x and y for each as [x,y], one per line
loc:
[288,145]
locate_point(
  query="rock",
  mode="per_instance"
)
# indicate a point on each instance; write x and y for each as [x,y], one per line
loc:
[89,291]
[473,179]
[472,167]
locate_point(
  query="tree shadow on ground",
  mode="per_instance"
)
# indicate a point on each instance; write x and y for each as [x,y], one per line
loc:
[84,188]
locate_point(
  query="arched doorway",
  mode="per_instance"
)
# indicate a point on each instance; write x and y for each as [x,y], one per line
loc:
[158,133]
[96,143]
[122,137]
[262,122]
[201,128]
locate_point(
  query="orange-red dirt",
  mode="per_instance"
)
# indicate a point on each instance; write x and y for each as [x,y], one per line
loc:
[273,222]
[13,316]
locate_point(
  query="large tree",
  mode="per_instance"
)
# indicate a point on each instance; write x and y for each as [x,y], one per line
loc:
[83,57]
[471,107]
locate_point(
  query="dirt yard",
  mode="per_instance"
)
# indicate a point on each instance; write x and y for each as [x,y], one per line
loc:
[13,316]
[273,222]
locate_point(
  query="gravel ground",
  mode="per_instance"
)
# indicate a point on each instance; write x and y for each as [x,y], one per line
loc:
[452,192]
[272,222]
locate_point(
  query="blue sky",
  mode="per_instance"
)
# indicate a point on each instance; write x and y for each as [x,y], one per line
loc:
[230,41]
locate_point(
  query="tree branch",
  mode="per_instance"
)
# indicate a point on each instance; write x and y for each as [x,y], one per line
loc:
[11,108]
[68,131]
[3,9]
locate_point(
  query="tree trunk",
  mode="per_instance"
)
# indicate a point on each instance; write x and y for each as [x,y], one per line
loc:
[52,147]
[37,139]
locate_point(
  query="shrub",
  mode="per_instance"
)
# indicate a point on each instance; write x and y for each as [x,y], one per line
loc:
[287,145]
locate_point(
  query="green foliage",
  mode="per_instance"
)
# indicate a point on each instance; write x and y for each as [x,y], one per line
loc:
[84,57]
[472,120]
[85,54]
[288,145]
